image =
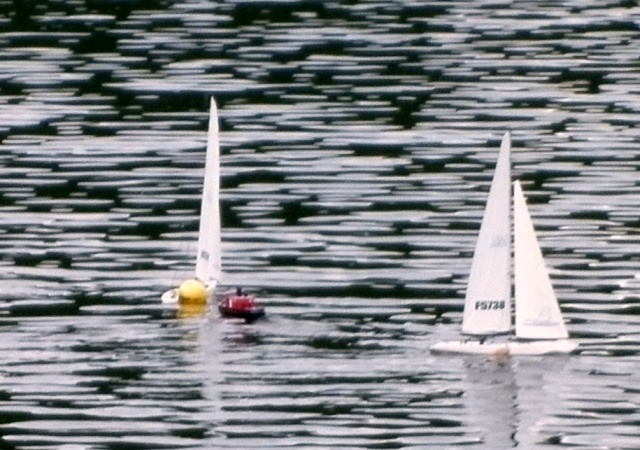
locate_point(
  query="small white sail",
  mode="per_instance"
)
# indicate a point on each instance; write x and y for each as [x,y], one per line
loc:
[208,259]
[538,315]
[487,308]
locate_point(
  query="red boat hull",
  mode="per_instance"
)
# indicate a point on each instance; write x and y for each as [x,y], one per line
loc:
[240,307]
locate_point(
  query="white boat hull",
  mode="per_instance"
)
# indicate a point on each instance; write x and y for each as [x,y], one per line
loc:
[170,297]
[506,348]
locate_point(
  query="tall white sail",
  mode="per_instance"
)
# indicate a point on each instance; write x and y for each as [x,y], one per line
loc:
[208,259]
[487,308]
[538,315]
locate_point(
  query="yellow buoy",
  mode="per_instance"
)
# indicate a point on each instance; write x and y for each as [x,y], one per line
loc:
[192,292]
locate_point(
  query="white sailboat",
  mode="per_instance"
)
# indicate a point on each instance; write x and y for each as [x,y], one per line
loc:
[208,257]
[539,326]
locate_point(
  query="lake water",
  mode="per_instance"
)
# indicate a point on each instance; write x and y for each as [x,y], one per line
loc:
[358,141]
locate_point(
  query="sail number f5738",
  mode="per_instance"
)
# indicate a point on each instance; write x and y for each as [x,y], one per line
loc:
[490,304]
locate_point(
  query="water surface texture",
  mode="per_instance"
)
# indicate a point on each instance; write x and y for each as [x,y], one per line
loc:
[358,142]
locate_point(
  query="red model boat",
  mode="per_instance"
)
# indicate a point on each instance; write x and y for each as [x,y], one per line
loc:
[239,305]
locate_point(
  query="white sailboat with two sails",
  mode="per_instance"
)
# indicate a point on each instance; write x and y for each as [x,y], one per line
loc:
[539,326]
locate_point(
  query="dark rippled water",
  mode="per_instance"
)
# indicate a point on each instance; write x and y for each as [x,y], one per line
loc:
[358,142]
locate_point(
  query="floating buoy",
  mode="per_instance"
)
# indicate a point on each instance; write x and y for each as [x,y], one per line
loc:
[192,292]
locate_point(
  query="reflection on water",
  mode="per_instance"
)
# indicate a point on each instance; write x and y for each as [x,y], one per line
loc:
[358,144]
[191,311]
[515,402]
[492,404]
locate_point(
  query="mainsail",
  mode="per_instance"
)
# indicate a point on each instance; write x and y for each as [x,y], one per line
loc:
[487,307]
[208,259]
